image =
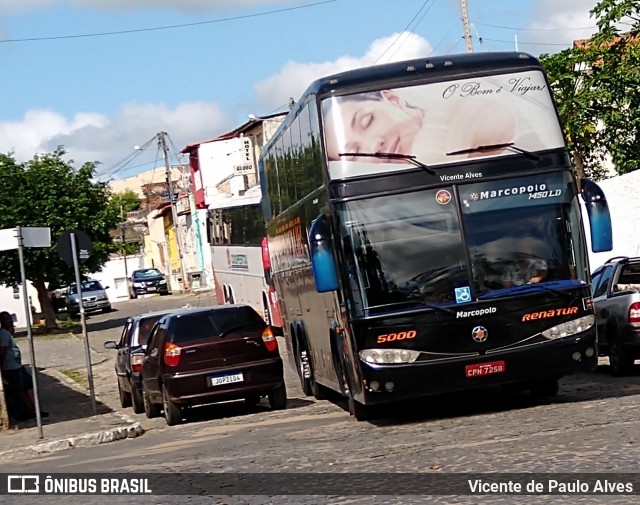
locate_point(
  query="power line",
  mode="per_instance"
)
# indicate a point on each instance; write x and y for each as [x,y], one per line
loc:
[405,29]
[529,43]
[538,29]
[170,27]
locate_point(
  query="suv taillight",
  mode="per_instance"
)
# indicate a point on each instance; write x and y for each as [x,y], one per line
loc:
[634,313]
[172,354]
[269,340]
[136,362]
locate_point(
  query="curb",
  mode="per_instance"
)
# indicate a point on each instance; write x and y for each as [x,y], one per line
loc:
[86,440]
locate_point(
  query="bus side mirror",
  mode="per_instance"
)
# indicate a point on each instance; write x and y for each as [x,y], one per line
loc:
[599,216]
[322,263]
[266,260]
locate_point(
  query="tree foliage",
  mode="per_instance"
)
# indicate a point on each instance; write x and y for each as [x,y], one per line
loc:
[596,85]
[48,191]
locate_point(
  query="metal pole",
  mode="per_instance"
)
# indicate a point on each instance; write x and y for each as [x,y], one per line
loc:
[174,211]
[27,313]
[124,250]
[465,26]
[83,321]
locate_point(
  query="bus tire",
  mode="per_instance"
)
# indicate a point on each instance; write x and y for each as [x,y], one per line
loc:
[545,388]
[358,410]
[338,364]
[267,314]
[307,372]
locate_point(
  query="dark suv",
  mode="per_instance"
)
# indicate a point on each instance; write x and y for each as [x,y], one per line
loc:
[131,347]
[205,355]
[148,281]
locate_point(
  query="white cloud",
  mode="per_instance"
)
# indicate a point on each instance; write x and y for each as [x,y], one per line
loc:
[562,22]
[294,77]
[109,140]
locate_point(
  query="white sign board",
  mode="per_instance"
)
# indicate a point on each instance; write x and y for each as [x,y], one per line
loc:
[36,237]
[8,239]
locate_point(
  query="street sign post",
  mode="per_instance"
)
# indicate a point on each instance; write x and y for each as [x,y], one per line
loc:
[74,247]
[19,238]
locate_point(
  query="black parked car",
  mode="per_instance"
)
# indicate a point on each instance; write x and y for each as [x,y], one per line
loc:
[131,347]
[206,355]
[148,281]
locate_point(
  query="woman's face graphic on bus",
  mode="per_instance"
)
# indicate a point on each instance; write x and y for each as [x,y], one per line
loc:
[380,123]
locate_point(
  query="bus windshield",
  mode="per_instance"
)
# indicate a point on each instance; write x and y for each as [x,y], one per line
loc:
[452,245]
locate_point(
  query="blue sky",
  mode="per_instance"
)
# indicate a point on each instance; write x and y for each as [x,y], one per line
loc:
[101,95]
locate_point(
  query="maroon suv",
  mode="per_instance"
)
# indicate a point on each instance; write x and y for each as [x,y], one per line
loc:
[205,355]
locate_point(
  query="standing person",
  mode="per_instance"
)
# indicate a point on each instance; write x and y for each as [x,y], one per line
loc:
[18,378]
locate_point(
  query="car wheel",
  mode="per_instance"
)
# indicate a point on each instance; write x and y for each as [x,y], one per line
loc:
[252,399]
[125,398]
[620,361]
[278,398]
[151,410]
[106,310]
[172,412]
[545,388]
[136,400]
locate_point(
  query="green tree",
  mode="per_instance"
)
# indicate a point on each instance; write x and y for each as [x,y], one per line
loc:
[122,203]
[615,56]
[48,191]
[596,88]
[577,100]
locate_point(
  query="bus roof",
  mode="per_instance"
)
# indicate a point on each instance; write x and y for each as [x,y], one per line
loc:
[443,66]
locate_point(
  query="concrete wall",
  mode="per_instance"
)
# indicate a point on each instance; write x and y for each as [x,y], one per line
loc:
[113,276]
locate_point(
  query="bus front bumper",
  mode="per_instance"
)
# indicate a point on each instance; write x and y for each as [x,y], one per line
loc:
[549,360]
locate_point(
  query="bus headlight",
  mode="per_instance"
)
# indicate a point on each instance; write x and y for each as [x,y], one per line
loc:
[569,328]
[387,356]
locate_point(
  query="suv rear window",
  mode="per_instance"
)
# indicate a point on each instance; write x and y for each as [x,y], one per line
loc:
[145,326]
[207,324]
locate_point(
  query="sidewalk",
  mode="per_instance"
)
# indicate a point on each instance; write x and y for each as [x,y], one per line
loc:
[71,422]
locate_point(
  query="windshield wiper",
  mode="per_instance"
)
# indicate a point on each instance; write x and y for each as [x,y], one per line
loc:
[233,328]
[492,147]
[393,156]
[523,289]
[411,304]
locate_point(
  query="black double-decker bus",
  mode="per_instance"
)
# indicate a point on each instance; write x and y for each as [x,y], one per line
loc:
[425,233]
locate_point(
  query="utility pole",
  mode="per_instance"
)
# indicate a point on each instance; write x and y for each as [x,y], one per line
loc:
[174,211]
[465,26]
[124,249]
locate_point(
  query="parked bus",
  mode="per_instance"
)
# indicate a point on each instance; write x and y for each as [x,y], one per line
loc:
[237,236]
[425,233]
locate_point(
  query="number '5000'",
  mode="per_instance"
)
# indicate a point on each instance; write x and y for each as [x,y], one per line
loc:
[392,337]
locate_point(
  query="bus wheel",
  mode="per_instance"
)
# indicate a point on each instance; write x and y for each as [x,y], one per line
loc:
[545,388]
[267,314]
[307,376]
[359,411]
[619,360]
[304,371]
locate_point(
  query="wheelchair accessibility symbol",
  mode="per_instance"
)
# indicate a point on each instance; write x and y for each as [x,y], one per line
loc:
[463,294]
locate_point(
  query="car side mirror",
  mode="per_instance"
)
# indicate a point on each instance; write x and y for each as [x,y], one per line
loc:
[110,344]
